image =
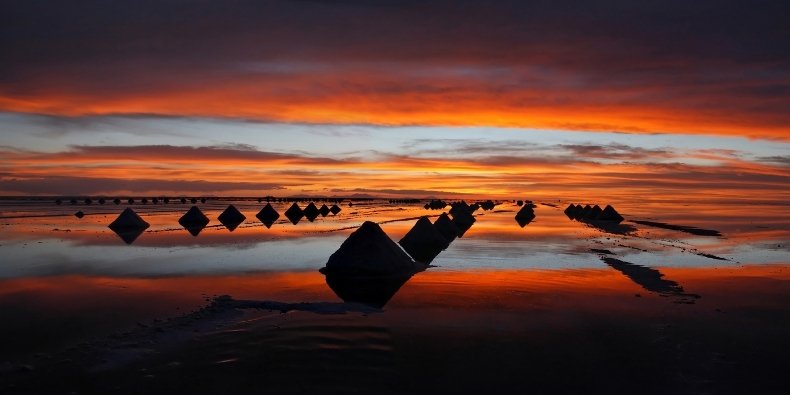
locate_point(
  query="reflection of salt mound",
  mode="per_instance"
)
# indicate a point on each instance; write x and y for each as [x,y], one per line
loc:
[570,210]
[373,291]
[79,214]
[268,215]
[294,213]
[324,210]
[368,251]
[487,205]
[311,212]
[231,218]
[335,209]
[423,242]
[525,215]
[446,227]
[610,214]
[194,221]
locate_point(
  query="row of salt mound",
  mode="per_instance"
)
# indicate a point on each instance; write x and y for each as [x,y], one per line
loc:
[593,213]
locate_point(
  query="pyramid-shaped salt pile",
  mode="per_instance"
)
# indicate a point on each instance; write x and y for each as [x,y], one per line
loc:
[610,214]
[487,205]
[570,210]
[194,221]
[324,210]
[294,214]
[525,215]
[79,214]
[311,212]
[368,251]
[463,221]
[128,226]
[128,220]
[268,215]
[423,242]
[446,227]
[334,209]
[582,214]
[594,212]
[231,218]
[459,207]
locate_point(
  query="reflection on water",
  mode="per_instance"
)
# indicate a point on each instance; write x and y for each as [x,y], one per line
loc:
[650,279]
[372,291]
[501,296]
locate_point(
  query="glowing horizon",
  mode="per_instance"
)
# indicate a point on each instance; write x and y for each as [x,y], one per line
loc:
[511,100]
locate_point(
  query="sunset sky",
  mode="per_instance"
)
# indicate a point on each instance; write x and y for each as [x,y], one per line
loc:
[510,99]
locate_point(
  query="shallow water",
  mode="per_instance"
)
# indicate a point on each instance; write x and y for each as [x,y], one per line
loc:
[502,307]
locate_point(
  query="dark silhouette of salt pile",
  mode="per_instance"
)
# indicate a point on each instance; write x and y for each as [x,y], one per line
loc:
[154,200]
[294,214]
[73,201]
[488,205]
[446,227]
[183,200]
[609,214]
[130,201]
[193,200]
[311,212]
[594,212]
[519,203]
[116,201]
[144,201]
[582,214]
[88,201]
[459,207]
[58,202]
[102,201]
[194,221]
[368,251]
[324,210]
[231,218]
[525,215]
[166,200]
[435,204]
[463,221]
[474,207]
[423,242]
[570,211]
[268,215]
[128,226]
[335,209]
[79,214]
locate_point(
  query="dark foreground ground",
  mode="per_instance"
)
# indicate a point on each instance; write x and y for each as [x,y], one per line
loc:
[562,343]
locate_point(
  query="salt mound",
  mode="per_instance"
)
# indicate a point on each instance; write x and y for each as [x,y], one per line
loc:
[423,242]
[368,251]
